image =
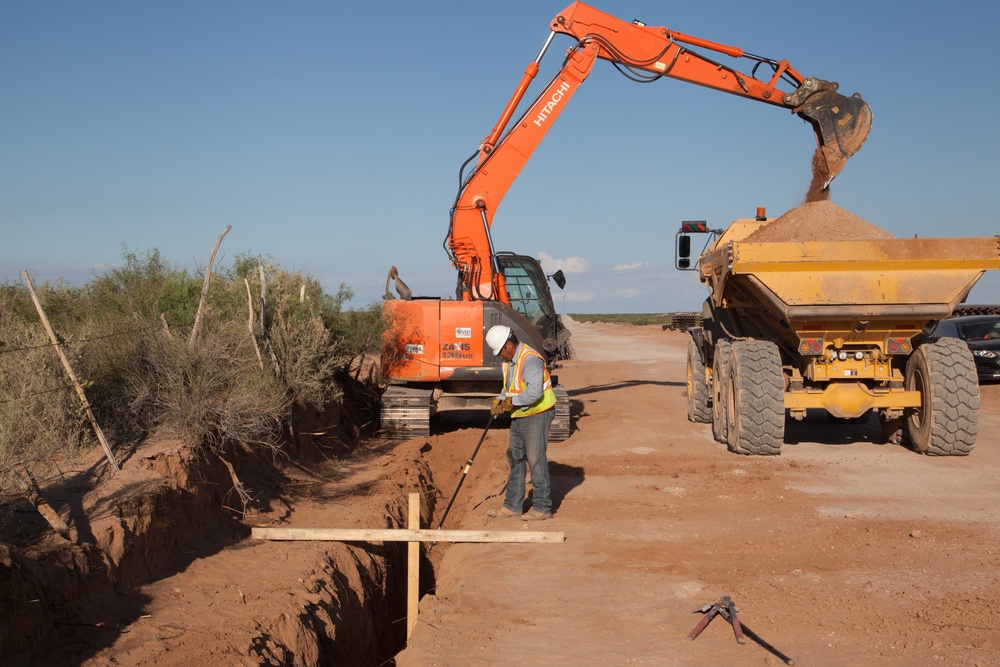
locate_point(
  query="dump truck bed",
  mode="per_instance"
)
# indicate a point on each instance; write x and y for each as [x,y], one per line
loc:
[925,279]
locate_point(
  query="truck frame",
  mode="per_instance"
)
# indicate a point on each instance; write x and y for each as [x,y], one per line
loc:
[795,325]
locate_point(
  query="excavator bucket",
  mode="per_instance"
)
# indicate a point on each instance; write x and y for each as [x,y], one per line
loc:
[841,124]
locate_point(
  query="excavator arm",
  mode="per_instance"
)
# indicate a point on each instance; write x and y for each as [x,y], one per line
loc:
[644,54]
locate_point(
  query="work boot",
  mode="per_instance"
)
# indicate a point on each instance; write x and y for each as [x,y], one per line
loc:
[535,515]
[503,513]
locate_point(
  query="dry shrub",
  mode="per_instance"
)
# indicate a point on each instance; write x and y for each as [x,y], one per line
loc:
[39,414]
[213,392]
[141,376]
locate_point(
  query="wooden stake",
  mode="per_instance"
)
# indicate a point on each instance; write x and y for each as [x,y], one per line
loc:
[69,371]
[413,568]
[204,288]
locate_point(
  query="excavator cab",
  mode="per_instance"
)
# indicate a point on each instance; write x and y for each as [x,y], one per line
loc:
[527,287]
[528,291]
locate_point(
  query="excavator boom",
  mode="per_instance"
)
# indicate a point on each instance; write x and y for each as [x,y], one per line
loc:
[644,54]
[841,123]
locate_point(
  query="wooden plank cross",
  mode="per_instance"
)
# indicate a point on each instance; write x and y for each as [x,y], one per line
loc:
[414,535]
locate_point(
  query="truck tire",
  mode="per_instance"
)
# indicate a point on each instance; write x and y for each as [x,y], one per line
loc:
[720,391]
[947,421]
[756,400]
[698,409]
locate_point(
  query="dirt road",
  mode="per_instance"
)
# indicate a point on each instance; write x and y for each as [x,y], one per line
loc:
[839,552]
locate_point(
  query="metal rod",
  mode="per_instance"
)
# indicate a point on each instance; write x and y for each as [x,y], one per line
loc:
[465,471]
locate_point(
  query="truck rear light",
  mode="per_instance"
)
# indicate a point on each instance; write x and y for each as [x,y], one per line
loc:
[811,346]
[899,346]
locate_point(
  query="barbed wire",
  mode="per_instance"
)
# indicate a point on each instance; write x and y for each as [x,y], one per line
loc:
[37,393]
[4,350]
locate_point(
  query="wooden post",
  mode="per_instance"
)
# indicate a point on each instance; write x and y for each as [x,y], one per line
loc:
[253,338]
[413,568]
[70,373]
[204,288]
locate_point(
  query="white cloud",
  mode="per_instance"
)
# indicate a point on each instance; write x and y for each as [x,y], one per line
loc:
[630,267]
[551,264]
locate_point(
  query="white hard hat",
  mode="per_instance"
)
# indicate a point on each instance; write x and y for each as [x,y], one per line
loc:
[496,337]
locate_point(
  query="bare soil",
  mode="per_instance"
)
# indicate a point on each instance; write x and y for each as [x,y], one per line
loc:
[839,552]
[818,221]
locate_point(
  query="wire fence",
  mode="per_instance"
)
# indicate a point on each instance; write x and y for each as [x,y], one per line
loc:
[69,343]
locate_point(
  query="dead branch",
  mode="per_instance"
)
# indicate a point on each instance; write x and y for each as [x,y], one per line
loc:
[241,492]
[204,288]
[34,494]
[253,338]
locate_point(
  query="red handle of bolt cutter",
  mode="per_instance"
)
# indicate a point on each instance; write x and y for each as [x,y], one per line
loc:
[703,622]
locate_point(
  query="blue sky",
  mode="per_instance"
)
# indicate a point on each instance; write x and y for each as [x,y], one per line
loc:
[330,135]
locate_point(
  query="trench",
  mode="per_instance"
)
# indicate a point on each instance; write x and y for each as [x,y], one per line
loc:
[79,601]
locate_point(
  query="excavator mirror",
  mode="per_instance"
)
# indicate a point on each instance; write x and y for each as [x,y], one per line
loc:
[559,279]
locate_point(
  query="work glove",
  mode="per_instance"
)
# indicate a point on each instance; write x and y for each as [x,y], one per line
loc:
[501,407]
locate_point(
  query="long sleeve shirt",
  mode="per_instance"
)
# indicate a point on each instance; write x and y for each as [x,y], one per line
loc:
[534,379]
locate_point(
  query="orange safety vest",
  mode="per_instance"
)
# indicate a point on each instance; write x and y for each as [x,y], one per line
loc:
[548,398]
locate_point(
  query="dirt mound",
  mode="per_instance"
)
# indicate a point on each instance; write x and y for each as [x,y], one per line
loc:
[818,221]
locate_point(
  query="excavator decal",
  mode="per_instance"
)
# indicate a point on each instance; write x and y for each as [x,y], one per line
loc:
[551,104]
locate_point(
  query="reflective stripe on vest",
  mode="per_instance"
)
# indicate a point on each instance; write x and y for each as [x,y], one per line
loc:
[548,398]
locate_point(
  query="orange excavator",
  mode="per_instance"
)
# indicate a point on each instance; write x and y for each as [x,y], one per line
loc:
[434,355]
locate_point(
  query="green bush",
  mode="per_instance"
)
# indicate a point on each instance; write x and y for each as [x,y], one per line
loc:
[127,335]
[637,319]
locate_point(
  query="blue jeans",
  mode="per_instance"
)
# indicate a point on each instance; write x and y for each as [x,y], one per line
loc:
[529,440]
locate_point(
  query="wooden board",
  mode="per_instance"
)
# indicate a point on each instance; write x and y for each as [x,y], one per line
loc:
[404,535]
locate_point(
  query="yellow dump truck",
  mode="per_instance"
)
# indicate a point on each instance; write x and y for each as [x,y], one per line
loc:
[834,322]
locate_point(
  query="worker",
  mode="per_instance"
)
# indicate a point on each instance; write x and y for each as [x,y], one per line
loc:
[527,395]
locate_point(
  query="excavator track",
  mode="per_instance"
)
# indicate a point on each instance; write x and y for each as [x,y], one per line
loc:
[560,427]
[406,413]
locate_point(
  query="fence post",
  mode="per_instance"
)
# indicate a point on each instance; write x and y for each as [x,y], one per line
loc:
[70,373]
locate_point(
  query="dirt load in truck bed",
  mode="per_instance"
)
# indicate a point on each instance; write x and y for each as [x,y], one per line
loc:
[818,221]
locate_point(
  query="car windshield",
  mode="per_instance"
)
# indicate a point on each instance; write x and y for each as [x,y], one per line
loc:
[989,329]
